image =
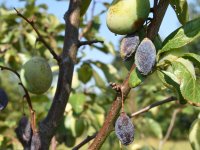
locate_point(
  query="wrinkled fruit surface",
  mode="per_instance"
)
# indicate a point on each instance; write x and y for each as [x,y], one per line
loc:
[24,131]
[124,129]
[128,46]
[36,75]
[127,16]
[145,56]
[3,99]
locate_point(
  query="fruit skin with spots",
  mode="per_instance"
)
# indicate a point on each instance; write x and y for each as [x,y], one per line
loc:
[145,56]
[127,16]
[128,46]
[36,75]
[124,129]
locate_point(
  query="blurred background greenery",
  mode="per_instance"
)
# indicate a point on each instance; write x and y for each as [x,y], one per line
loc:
[91,96]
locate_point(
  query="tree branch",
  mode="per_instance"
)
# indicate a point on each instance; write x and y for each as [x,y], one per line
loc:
[81,43]
[147,108]
[153,105]
[86,140]
[47,127]
[116,105]
[170,128]
[32,23]
[158,15]
[26,96]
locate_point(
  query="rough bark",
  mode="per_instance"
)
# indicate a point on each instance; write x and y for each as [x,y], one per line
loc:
[47,127]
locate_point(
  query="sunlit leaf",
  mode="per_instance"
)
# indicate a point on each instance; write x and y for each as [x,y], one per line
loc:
[85,72]
[189,86]
[182,36]
[194,136]
[77,101]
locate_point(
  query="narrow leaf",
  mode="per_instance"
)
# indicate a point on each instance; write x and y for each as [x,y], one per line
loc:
[181,9]
[99,81]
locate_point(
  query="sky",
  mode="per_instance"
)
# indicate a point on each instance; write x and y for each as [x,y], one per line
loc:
[169,24]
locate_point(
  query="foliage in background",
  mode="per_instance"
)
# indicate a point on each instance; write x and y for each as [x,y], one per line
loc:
[91,96]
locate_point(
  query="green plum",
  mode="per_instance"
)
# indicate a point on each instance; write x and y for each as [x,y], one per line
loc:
[127,16]
[36,75]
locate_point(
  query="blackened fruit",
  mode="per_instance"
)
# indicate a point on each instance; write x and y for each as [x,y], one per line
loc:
[3,99]
[124,129]
[145,56]
[24,131]
[128,46]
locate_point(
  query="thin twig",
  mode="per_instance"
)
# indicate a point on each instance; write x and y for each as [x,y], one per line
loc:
[153,105]
[40,37]
[26,96]
[86,29]
[86,140]
[133,115]
[170,128]
[81,43]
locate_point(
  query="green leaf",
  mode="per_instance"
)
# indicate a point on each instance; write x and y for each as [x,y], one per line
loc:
[182,36]
[109,70]
[135,78]
[188,64]
[77,101]
[194,136]
[85,72]
[189,86]
[152,128]
[99,81]
[79,127]
[39,98]
[84,7]
[193,57]
[106,47]
[171,81]
[181,9]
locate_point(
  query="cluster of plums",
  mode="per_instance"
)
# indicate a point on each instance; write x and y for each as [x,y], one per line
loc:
[126,17]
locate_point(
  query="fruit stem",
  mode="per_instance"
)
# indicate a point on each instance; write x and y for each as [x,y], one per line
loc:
[122,97]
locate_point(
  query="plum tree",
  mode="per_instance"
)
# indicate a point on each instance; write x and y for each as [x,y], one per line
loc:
[91,98]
